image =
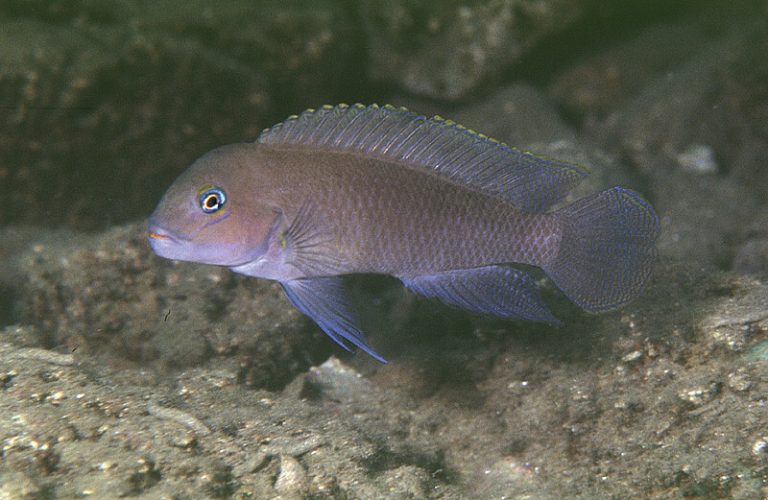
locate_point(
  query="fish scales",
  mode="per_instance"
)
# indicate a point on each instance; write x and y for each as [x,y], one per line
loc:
[366,189]
[387,218]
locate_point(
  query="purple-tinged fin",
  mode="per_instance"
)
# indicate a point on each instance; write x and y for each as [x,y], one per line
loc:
[445,148]
[496,290]
[325,301]
[607,249]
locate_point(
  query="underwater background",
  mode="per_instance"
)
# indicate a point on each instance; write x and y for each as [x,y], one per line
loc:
[123,374]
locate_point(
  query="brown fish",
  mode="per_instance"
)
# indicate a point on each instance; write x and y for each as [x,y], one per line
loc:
[448,211]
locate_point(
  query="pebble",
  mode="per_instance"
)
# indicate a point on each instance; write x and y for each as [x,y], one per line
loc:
[738,381]
[292,480]
[179,416]
[760,447]
[700,395]
[698,159]
[632,356]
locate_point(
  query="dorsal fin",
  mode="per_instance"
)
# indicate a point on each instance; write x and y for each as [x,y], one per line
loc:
[444,147]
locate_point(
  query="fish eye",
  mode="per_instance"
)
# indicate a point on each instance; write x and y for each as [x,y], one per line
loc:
[211,200]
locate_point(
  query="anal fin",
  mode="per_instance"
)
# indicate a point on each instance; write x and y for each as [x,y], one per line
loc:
[325,301]
[496,290]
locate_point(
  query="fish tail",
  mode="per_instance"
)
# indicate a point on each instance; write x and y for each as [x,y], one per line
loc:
[607,249]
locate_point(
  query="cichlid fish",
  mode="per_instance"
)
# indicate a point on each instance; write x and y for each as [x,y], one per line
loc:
[448,211]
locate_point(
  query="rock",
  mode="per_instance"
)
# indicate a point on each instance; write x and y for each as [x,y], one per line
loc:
[597,84]
[699,395]
[291,480]
[447,50]
[105,103]
[693,95]
[545,411]
[751,253]
[79,113]
[643,125]
[19,485]
[752,257]
[99,438]
[739,381]
[505,476]
[406,482]
[109,296]
[518,115]
[698,159]
[733,321]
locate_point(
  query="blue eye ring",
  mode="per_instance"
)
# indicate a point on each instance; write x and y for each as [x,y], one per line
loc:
[212,199]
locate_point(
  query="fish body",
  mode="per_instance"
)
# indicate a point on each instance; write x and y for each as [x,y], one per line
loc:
[345,190]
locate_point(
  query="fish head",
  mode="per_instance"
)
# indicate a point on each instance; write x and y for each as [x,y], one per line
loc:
[213,213]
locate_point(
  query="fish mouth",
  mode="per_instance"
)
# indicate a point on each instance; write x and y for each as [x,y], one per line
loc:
[156,232]
[164,242]
[158,235]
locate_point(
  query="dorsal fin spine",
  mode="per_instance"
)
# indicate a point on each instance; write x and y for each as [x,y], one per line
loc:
[362,138]
[387,125]
[334,126]
[415,126]
[307,131]
[322,131]
[437,145]
[429,144]
[392,140]
[408,153]
[365,132]
[458,158]
[447,144]
[343,125]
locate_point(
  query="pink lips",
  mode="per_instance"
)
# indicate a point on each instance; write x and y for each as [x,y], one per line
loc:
[156,232]
[158,236]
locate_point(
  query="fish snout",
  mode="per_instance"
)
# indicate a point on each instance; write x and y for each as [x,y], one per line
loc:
[163,242]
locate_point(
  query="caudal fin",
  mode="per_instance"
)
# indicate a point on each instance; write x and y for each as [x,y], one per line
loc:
[607,249]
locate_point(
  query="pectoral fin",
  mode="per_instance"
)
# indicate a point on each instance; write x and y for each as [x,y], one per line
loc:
[306,244]
[325,301]
[497,290]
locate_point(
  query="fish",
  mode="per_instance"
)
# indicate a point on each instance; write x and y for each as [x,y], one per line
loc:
[453,214]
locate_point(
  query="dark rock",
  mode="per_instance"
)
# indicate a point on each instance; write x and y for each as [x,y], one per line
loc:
[104,103]
[598,84]
[85,146]
[751,254]
[692,106]
[446,50]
